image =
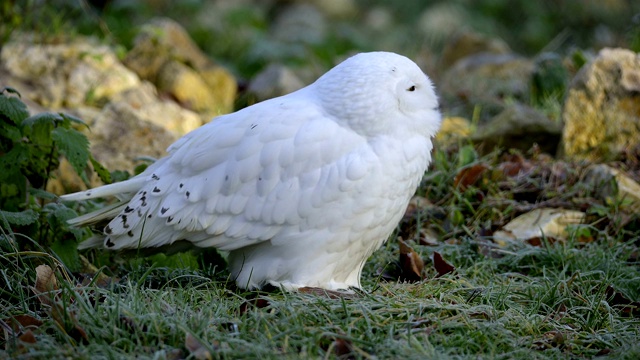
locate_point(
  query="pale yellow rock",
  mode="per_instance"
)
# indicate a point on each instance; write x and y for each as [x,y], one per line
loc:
[538,223]
[602,108]
[67,74]
[626,190]
[187,86]
[453,129]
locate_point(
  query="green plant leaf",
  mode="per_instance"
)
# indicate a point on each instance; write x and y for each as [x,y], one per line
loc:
[102,171]
[57,215]
[10,90]
[22,218]
[38,127]
[74,119]
[67,251]
[14,109]
[42,194]
[12,161]
[74,146]
[9,131]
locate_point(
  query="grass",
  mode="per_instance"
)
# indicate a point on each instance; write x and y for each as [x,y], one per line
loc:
[577,298]
[536,302]
[573,299]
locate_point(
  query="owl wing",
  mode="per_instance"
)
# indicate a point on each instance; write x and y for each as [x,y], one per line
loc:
[243,179]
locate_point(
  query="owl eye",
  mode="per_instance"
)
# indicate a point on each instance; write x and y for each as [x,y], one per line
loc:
[412,88]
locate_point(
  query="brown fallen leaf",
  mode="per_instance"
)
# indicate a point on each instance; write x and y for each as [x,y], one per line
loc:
[258,303]
[411,264]
[514,165]
[196,348]
[20,322]
[538,241]
[46,284]
[28,337]
[68,321]
[619,300]
[469,176]
[343,348]
[441,266]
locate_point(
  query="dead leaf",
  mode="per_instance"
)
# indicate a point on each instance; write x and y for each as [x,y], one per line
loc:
[28,337]
[469,176]
[515,165]
[68,321]
[441,266]
[196,348]
[343,348]
[538,223]
[617,299]
[46,283]
[21,322]
[411,264]
[538,241]
[428,237]
[258,303]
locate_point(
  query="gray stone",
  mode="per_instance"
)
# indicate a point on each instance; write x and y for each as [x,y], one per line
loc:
[466,43]
[519,127]
[275,80]
[486,82]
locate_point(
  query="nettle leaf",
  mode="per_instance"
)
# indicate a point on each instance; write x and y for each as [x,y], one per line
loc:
[74,119]
[12,161]
[67,251]
[74,146]
[22,218]
[102,171]
[10,90]
[38,127]
[14,109]
[10,131]
[42,194]
[57,215]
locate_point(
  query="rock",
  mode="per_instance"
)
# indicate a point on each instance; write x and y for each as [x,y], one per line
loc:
[160,41]
[164,54]
[452,130]
[441,20]
[67,74]
[614,185]
[187,87]
[519,127]
[300,23]
[119,136]
[602,109]
[146,104]
[485,80]
[466,43]
[134,124]
[537,224]
[275,80]
[339,9]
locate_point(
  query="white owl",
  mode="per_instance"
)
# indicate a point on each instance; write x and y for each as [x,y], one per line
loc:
[300,189]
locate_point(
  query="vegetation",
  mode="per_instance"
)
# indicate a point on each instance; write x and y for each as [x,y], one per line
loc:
[447,290]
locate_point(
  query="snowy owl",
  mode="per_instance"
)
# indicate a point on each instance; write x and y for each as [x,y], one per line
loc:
[299,189]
